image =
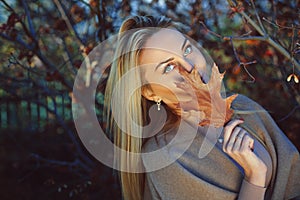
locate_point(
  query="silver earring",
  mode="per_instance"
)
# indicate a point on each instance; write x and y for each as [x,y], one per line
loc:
[158,102]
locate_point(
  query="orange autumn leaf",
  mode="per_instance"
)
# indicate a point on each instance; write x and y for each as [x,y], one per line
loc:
[252,42]
[216,109]
[236,70]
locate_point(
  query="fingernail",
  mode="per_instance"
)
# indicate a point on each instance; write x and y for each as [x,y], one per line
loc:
[242,119]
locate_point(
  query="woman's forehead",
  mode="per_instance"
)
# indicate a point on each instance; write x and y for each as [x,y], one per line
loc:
[165,39]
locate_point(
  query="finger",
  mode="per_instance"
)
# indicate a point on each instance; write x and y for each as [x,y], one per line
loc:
[228,144]
[251,144]
[229,128]
[247,143]
[238,141]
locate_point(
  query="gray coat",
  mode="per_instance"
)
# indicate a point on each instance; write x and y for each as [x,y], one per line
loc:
[215,176]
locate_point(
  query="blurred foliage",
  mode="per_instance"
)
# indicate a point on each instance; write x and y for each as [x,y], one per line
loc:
[43,44]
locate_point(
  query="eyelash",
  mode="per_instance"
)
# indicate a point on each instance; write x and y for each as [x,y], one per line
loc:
[172,64]
[166,67]
[187,47]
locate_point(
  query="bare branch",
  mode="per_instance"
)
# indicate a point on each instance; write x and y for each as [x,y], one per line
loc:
[37,51]
[238,38]
[277,46]
[211,32]
[7,6]
[16,40]
[15,61]
[276,24]
[258,18]
[243,64]
[68,58]
[289,114]
[71,165]
[53,67]
[21,22]
[30,24]
[241,37]
[69,25]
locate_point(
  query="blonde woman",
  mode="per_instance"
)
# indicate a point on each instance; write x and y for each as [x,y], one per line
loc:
[250,157]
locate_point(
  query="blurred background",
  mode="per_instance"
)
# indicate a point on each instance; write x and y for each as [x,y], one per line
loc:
[43,43]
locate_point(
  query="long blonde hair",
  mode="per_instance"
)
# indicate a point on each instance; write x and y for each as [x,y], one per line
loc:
[125,59]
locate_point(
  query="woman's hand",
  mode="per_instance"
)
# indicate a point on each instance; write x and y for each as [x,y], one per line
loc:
[239,146]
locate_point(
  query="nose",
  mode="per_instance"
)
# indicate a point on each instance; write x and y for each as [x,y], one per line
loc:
[188,65]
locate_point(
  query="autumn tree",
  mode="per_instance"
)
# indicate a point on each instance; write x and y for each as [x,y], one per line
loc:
[43,44]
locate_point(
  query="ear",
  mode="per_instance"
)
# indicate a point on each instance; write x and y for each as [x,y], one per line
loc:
[148,93]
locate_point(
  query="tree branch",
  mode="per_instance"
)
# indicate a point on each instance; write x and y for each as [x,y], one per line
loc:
[258,18]
[268,39]
[243,64]
[71,165]
[69,25]
[38,53]
[30,24]
[289,114]
[21,22]
[16,40]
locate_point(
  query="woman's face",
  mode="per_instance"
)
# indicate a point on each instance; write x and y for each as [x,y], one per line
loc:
[163,54]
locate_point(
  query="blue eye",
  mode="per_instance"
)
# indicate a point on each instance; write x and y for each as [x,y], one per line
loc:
[169,68]
[187,50]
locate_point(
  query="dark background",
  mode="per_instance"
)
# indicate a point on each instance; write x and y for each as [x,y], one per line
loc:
[43,43]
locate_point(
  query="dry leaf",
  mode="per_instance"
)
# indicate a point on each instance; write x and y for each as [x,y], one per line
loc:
[216,110]
[294,76]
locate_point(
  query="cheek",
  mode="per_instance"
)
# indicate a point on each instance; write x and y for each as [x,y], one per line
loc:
[171,93]
[165,86]
[165,92]
[200,62]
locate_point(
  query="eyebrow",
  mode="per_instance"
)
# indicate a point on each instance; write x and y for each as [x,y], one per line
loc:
[163,62]
[183,44]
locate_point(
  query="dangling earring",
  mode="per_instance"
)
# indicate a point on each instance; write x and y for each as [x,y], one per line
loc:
[158,102]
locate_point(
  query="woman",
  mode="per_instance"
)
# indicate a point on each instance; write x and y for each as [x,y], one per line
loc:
[252,158]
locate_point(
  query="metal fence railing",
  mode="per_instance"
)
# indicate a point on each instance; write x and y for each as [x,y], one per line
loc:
[34,113]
